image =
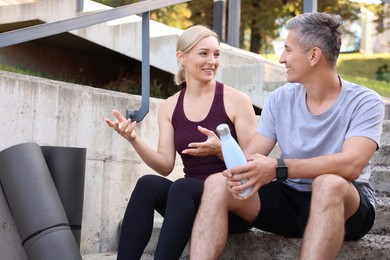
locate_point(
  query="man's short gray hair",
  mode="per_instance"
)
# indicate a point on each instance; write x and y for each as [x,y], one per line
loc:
[320,30]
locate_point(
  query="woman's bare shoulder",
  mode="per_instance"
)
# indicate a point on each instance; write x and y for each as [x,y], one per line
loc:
[169,104]
[235,94]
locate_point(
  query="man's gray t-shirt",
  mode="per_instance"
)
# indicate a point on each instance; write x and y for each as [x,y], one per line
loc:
[358,111]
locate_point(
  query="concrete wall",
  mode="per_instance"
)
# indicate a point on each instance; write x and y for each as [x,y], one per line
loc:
[249,72]
[59,114]
[20,10]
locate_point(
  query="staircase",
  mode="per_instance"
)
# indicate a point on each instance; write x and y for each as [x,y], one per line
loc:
[257,244]
[246,74]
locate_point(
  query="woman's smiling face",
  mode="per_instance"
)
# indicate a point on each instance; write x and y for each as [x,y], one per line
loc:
[202,61]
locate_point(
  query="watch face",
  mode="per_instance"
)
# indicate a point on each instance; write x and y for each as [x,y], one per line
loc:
[281,170]
[281,173]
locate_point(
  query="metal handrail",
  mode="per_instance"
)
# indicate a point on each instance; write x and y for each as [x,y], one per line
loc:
[66,25]
[138,115]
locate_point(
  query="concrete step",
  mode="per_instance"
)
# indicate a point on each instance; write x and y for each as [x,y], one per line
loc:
[380,180]
[111,256]
[261,245]
[100,256]
[380,175]
[382,217]
[387,109]
[257,244]
[386,131]
[381,157]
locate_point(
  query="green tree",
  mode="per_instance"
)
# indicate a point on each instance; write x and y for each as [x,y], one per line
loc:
[178,16]
[261,20]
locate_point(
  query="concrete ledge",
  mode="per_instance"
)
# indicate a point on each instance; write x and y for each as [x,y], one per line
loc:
[380,180]
[386,131]
[381,157]
[257,244]
[261,245]
[382,217]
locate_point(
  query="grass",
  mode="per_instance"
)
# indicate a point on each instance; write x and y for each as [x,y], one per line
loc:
[26,71]
[20,70]
[361,69]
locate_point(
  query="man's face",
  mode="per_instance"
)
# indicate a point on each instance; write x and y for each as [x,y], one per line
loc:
[297,63]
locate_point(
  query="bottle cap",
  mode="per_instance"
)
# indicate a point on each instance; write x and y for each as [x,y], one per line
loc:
[223,129]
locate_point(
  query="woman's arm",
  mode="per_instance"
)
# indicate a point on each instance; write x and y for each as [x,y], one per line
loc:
[162,160]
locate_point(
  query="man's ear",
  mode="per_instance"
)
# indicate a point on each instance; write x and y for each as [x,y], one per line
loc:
[180,57]
[316,54]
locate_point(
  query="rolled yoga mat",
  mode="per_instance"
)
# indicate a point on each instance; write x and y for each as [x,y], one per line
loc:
[67,168]
[35,204]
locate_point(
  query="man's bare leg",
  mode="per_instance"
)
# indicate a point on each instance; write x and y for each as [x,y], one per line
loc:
[333,201]
[210,231]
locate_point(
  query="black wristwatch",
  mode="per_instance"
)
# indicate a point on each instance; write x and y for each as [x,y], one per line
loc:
[281,171]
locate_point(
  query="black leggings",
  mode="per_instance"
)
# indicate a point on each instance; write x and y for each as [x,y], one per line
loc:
[176,201]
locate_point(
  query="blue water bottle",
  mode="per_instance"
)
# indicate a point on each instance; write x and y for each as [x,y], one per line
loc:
[232,153]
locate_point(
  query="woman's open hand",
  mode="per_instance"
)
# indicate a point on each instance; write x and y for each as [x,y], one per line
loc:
[212,146]
[124,127]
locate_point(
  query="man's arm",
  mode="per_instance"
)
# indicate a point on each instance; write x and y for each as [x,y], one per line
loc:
[261,169]
[348,164]
[260,145]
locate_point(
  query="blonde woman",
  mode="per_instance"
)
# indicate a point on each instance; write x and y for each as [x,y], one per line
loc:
[187,122]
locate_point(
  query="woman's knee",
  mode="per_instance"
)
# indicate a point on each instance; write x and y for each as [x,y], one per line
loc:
[184,186]
[149,181]
[151,191]
[152,185]
[185,195]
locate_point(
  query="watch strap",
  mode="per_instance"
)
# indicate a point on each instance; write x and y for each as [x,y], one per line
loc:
[281,170]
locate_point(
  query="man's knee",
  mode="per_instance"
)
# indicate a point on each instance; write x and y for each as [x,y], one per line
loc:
[329,189]
[214,181]
[215,188]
